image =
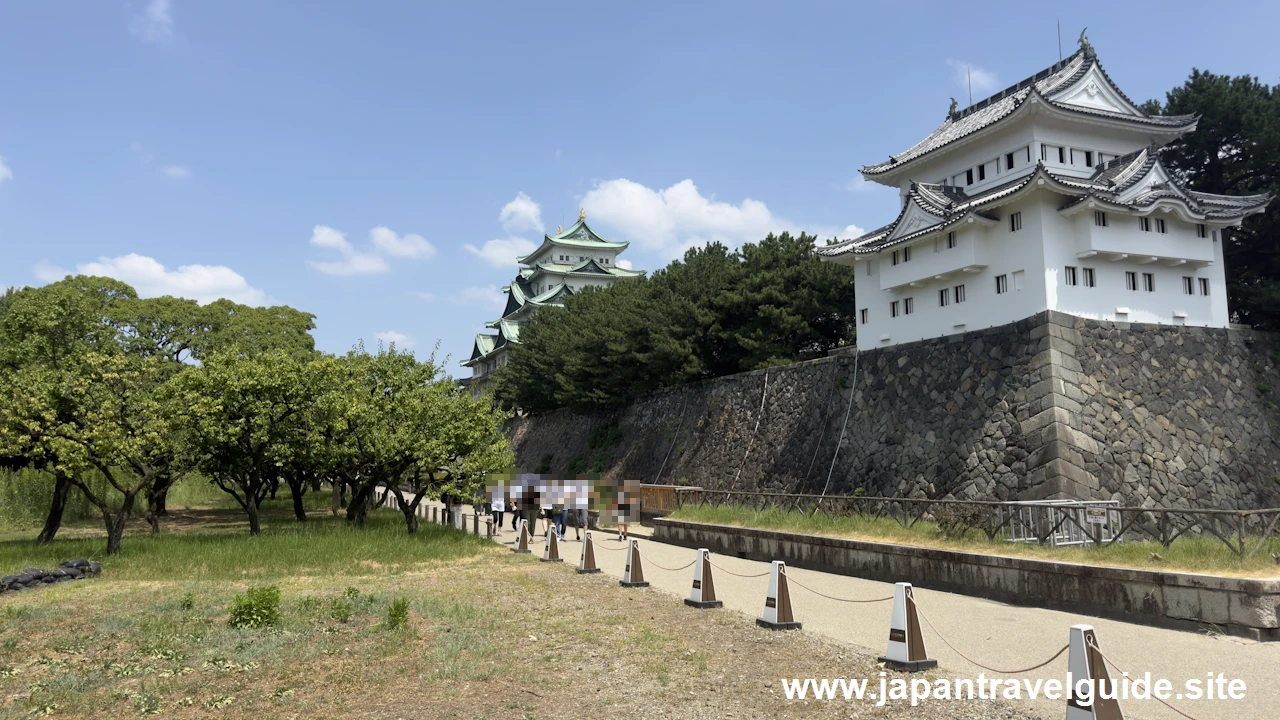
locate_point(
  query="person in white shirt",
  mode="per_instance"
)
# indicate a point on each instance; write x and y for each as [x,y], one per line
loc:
[497,505]
[580,504]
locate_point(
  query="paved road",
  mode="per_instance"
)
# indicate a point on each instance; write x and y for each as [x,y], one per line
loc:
[993,633]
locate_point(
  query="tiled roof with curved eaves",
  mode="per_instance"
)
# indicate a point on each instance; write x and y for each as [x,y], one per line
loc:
[988,112]
[951,205]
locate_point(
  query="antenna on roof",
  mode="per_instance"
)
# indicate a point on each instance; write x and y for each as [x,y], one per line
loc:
[1059,39]
[969,73]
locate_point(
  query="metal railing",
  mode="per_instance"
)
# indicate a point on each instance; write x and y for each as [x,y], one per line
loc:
[1244,532]
[1045,522]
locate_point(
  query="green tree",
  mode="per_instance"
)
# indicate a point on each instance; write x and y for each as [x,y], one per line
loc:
[400,424]
[714,313]
[246,418]
[1235,150]
[102,411]
[53,328]
[181,331]
[457,442]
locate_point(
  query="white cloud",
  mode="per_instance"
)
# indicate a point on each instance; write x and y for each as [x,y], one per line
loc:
[501,253]
[488,297]
[202,283]
[352,262]
[411,246]
[424,296]
[850,232]
[624,264]
[48,272]
[391,337]
[177,172]
[521,214]
[326,237]
[5,172]
[154,23]
[670,220]
[984,81]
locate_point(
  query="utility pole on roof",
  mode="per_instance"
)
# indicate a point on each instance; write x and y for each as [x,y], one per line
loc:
[1059,39]
[968,71]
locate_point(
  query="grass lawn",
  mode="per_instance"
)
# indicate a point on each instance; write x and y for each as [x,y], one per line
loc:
[490,634]
[1199,555]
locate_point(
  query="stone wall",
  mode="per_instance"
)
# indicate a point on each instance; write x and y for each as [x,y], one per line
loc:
[1051,406]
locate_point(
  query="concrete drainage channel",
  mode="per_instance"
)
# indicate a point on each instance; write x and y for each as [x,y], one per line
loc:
[35,577]
[1240,606]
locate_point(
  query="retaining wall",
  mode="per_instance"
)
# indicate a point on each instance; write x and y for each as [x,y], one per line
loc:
[1240,606]
[1052,406]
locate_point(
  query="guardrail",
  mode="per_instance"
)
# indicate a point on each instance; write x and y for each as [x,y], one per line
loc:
[1243,531]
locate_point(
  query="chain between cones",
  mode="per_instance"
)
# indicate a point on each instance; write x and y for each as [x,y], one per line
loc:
[923,616]
[654,564]
[766,572]
[791,579]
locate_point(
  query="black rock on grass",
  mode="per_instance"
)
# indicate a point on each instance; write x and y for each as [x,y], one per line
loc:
[31,577]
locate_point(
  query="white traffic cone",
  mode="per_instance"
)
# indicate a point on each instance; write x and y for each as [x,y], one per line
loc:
[777,605]
[703,594]
[522,540]
[1085,663]
[906,642]
[633,575]
[551,548]
[587,564]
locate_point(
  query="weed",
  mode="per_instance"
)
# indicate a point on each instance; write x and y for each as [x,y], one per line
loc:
[341,610]
[256,608]
[220,702]
[397,614]
[14,612]
[188,601]
[1264,388]
[352,592]
[309,604]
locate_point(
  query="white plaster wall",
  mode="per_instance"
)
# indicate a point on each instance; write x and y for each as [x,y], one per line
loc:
[1006,254]
[1061,239]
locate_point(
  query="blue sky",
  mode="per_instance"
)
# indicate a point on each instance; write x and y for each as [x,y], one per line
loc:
[381,163]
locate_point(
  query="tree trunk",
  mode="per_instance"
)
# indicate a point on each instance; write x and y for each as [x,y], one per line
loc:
[335,500]
[410,518]
[275,487]
[156,502]
[61,487]
[358,509]
[116,523]
[298,489]
[251,508]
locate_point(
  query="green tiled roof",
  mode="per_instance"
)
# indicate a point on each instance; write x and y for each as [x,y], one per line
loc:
[579,235]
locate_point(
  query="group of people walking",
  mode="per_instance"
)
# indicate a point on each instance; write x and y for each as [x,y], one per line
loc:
[559,504]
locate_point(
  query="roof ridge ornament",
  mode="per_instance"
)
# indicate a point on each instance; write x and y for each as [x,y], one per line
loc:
[1085,45]
[582,213]
[951,113]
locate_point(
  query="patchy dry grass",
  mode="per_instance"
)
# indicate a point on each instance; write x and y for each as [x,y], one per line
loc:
[489,634]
